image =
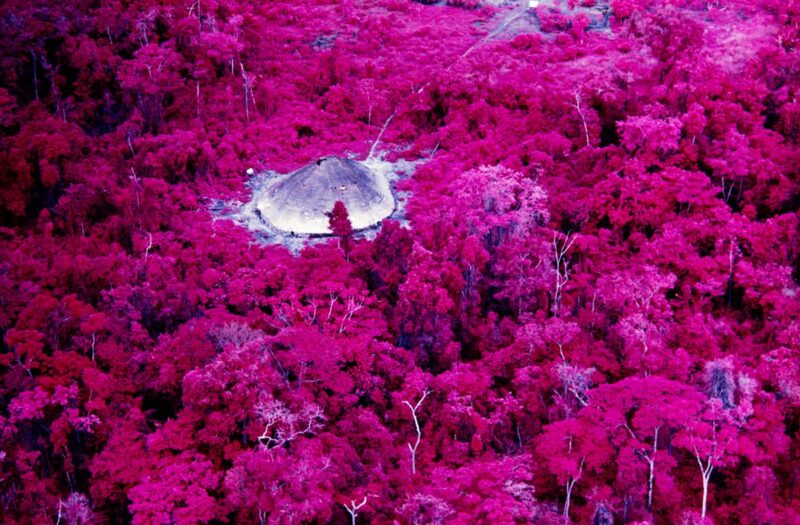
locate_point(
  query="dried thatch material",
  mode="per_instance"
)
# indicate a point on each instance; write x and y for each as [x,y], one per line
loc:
[299,202]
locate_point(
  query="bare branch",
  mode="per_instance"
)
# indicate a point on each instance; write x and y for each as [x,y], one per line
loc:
[577,106]
[413,448]
[353,509]
[562,268]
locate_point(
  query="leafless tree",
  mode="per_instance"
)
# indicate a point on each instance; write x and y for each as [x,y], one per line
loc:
[706,468]
[380,134]
[353,509]
[75,510]
[281,425]
[579,108]
[570,485]
[248,91]
[707,461]
[234,334]
[575,381]
[650,458]
[353,305]
[562,268]
[413,448]
[148,247]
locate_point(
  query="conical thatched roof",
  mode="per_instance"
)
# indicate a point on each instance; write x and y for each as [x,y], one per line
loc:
[299,202]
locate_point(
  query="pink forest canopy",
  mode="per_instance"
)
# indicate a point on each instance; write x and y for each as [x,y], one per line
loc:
[591,315]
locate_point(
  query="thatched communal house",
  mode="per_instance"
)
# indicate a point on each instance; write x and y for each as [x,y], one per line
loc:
[299,202]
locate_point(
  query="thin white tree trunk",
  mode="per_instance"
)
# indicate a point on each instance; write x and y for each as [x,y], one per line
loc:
[354,508]
[652,463]
[413,448]
[570,485]
[705,497]
[705,471]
